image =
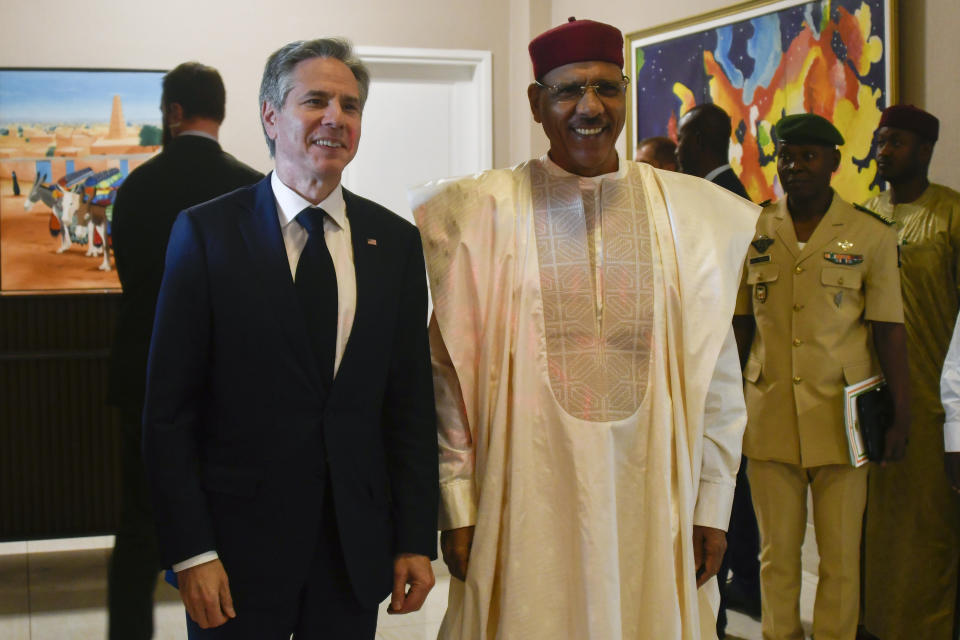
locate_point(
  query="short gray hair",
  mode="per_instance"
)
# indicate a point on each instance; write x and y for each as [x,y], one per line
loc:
[276,84]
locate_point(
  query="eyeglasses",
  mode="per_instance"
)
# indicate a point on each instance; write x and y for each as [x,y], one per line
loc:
[574,91]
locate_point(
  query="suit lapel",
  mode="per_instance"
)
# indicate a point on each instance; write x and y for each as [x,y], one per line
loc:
[366,263]
[830,226]
[784,229]
[260,228]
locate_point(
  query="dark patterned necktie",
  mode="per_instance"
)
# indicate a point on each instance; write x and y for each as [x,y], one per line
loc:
[316,284]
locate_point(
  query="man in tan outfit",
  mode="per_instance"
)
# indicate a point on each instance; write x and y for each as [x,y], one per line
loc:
[912,537]
[589,412]
[820,278]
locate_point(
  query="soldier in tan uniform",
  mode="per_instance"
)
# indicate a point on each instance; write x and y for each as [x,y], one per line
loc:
[819,308]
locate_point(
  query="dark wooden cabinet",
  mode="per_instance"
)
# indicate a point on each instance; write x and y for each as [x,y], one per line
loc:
[59,441]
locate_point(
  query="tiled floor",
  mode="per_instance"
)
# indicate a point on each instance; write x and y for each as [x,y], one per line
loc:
[48,593]
[57,595]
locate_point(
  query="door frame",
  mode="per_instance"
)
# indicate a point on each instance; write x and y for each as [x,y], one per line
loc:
[475,64]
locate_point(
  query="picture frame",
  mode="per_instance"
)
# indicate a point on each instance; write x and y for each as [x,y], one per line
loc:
[762,59]
[81,132]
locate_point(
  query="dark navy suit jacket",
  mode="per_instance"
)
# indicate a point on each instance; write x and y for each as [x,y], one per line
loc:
[189,170]
[240,437]
[728,180]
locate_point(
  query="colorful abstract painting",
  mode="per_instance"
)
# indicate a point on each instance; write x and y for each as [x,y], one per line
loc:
[68,139]
[763,60]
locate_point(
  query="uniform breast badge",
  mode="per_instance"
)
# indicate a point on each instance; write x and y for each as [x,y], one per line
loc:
[837,299]
[760,292]
[762,243]
[844,245]
[843,258]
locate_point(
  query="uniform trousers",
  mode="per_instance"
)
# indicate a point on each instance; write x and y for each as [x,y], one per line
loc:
[326,609]
[839,494]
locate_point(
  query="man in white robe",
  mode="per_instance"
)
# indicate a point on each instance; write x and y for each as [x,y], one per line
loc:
[588,389]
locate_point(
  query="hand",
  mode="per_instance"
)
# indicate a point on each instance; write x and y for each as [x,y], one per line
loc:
[895,440]
[455,546]
[951,461]
[709,545]
[205,592]
[415,570]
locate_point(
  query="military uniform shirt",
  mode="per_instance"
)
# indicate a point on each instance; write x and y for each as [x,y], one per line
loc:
[811,307]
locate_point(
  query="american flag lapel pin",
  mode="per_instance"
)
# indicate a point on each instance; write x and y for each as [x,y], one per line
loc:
[372,242]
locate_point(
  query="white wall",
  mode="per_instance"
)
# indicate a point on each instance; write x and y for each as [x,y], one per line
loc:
[236,38]
[929,51]
[527,19]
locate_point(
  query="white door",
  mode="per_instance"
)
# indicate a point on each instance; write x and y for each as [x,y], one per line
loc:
[428,116]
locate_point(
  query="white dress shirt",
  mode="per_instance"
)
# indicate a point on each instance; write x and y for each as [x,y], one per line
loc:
[336,233]
[199,134]
[950,394]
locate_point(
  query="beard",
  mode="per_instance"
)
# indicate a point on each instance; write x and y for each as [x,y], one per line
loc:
[167,134]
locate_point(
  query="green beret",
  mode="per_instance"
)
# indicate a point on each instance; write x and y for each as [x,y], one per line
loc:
[807,128]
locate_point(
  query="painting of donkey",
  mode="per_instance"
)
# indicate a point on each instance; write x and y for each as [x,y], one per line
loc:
[99,192]
[63,198]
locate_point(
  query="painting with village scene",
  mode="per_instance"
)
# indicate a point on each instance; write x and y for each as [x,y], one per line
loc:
[68,139]
[763,59]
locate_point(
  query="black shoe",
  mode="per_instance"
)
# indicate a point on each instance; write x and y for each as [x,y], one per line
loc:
[742,598]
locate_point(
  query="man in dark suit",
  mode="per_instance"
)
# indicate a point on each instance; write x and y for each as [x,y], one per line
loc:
[289,426]
[703,146]
[189,170]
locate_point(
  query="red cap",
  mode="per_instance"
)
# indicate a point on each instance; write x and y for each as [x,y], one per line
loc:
[911,118]
[575,41]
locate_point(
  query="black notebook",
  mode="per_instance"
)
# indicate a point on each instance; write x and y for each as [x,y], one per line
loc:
[875,415]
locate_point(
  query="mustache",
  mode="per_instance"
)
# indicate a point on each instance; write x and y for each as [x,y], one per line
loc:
[587,123]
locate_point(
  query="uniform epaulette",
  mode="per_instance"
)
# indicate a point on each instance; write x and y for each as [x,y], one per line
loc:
[765,203]
[884,219]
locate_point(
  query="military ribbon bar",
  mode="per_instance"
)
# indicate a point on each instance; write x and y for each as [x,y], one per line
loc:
[843,258]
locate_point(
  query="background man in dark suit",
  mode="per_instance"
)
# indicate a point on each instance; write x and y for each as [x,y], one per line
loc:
[189,170]
[289,427]
[703,145]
